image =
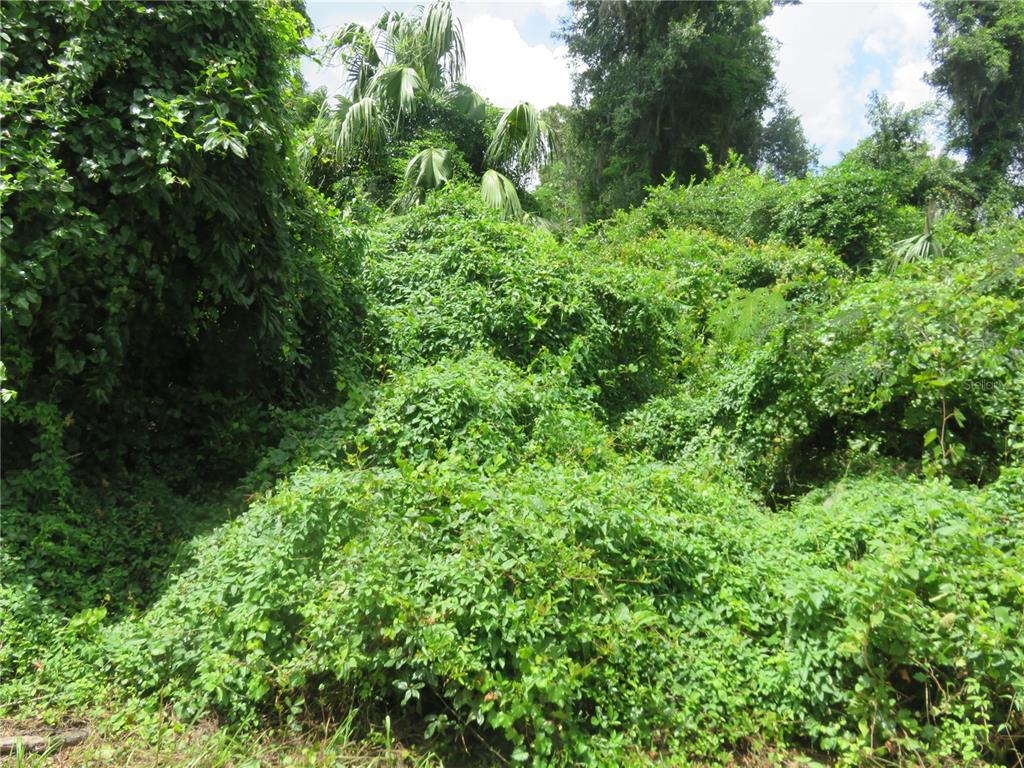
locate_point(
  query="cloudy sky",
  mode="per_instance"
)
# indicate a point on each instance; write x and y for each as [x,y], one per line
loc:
[831,55]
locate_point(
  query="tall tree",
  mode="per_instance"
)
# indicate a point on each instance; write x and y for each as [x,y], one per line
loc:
[978,52]
[782,148]
[656,81]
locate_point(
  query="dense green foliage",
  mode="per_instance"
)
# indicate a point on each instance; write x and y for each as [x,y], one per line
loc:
[406,94]
[161,255]
[737,467]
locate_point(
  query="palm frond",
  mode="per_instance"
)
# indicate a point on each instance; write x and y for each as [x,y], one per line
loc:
[392,23]
[521,138]
[915,248]
[396,88]
[468,101]
[444,48]
[429,169]
[499,192]
[919,247]
[361,127]
[355,45]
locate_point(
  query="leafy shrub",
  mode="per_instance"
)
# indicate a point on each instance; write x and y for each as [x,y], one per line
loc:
[46,656]
[519,601]
[936,360]
[854,209]
[923,365]
[851,207]
[734,202]
[640,607]
[451,276]
[475,405]
[908,619]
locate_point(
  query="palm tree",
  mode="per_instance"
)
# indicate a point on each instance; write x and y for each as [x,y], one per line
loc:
[918,247]
[396,65]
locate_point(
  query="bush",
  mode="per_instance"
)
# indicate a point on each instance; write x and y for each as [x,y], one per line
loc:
[451,276]
[566,613]
[854,209]
[803,376]
[475,406]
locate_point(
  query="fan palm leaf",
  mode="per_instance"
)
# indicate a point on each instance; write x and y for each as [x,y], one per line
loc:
[919,247]
[358,54]
[444,51]
[915,248]
[359,127]
[395,87]
[499,192]
[467,101]
[429,169]
[521,138]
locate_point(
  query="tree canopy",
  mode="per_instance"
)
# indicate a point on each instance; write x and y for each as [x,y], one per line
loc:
[978,51]
[657,82]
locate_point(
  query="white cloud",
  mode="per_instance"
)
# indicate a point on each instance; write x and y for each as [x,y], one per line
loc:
[832,53]
[505,70]
[824,49]
[516,11]
[500,64]
[908,85]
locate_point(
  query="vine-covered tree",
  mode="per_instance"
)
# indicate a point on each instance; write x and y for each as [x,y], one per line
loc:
[158,240]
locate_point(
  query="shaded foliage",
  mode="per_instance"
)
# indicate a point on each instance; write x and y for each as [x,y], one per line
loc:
[657,83]
[157,239]
[978,51]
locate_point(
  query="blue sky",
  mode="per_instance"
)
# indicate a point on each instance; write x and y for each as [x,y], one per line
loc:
[831,55]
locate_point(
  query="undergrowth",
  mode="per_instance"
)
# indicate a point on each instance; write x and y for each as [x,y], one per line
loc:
[654,496]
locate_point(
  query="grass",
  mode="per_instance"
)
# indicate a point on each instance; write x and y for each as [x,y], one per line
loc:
[159,741]
[131,740]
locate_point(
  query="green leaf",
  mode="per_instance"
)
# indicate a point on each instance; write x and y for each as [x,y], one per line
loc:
[522,138]
[499,192]
[429,169]
[396,87]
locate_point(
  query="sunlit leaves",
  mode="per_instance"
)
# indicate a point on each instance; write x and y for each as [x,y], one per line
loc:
[429,169]
[915,248]
[468,101]
[405,60]
[521,138]
[499,192]
[395,89]
[359,128]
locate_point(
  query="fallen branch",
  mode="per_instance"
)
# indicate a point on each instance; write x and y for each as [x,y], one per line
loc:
[42,743]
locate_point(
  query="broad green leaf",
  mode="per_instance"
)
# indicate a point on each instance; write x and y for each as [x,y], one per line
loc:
[499,192]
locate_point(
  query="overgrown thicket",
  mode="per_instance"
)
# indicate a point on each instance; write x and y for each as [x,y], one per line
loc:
[732,469]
